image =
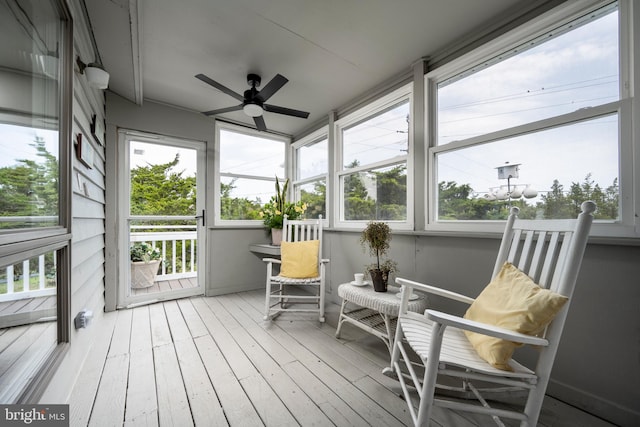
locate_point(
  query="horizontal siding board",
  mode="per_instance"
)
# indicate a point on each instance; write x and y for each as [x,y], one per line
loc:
[86,208]
[85,228]
[87,279]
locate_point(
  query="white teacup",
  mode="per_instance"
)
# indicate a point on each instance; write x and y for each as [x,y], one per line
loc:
[359,278]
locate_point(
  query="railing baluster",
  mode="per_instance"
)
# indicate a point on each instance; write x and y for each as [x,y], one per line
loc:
[184,256]
[25,275]
[41,272]
[173,254]
[193,255]
[10,279]
[164,257]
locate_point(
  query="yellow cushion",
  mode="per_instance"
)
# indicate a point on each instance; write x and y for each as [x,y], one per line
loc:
[511,301]
[299,259]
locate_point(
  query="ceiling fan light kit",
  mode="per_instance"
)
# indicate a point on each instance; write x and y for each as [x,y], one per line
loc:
[252,110]
[253,101]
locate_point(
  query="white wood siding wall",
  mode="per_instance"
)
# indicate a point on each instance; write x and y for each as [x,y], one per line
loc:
[88,226]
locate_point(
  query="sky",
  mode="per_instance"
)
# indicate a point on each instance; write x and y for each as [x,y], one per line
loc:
[15,143]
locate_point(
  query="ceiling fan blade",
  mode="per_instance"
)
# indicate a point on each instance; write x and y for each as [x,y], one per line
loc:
[220,87]
[286,111]
[222,110]
[259,120]
[272,87]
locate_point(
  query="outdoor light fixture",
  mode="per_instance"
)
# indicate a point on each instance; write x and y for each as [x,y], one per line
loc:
[96,75]
[252,110]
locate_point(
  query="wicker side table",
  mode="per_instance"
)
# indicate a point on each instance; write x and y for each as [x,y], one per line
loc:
[373,312]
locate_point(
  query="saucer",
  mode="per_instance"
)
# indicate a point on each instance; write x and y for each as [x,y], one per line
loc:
[413,297]
[364,283]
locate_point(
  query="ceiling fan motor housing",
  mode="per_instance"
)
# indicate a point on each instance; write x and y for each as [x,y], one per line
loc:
[253,80]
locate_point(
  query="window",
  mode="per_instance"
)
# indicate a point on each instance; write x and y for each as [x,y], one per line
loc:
[311,167]
[248,164]
[374,166]
[35,122]
[540,124]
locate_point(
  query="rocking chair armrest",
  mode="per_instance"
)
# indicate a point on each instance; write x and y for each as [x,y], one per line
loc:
[483,328]
[272,260]
[434,290]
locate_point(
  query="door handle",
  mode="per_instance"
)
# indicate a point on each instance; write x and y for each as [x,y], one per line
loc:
[201,216]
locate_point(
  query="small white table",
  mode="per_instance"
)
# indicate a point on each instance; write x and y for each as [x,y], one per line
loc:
[375,312]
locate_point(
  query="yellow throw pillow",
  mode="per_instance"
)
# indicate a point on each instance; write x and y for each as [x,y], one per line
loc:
[511,301]
[299,259]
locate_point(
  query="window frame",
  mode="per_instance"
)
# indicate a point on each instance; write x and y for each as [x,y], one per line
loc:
[315,137]
[397,96]
[624,107]
[21,244]
[217,178]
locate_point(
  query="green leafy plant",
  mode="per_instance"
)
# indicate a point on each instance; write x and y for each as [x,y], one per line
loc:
[376,236]
[141,251]
[274,211]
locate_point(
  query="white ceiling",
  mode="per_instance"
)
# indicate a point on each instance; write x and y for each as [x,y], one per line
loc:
[332,51]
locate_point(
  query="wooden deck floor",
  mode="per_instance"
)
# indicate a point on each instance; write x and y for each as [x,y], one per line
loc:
[211,361]
[167,285]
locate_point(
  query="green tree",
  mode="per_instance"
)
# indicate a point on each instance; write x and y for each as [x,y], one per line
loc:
[160,190]
[30,188]
[237,207]
[358,205]
[391,192]
[555,203]
[316,200]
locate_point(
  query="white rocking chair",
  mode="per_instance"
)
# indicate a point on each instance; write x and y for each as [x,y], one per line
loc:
[279,297]
[549,252]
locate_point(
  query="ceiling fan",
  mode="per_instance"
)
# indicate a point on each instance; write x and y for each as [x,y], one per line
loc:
[253,101]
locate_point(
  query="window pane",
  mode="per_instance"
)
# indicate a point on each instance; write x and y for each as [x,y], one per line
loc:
[241,199]
[565,165]
[313,160]
[29,116]
[380,137]
[29,321]
[315,196]
[249,165]
[244,154]
[379,194]
[553,75]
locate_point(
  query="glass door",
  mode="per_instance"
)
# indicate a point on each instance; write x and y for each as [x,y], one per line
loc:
[163,227]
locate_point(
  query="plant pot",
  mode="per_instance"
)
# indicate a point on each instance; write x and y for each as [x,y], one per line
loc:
[379,279]
[276,236]
[143,274]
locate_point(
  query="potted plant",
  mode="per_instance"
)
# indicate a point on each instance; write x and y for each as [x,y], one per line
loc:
[376,236]
[273,212]
[145,261]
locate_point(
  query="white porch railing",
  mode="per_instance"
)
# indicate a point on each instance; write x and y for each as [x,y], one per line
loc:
[21,289]
[177,245]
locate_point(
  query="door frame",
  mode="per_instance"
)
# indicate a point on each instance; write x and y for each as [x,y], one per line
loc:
[123,297]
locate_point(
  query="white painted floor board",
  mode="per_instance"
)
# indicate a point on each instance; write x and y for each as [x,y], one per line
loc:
[210,361]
